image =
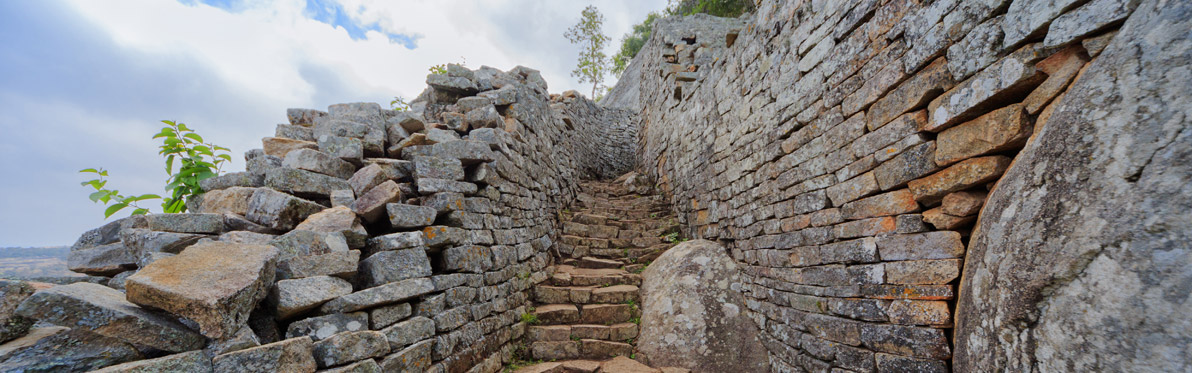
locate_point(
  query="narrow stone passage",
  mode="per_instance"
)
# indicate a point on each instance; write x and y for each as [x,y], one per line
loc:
[586,316]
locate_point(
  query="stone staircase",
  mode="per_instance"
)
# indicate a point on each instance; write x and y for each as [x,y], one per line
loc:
[587,312]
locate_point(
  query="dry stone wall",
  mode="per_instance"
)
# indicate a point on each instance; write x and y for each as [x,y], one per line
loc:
[843,151]
[358,239]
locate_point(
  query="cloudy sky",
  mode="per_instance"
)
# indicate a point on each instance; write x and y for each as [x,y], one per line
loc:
[84,83]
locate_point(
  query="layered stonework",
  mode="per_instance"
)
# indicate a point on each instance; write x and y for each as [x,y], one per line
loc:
[843,151]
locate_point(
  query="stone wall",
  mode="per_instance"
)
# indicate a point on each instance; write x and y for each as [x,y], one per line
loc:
[377,239]
[843,150]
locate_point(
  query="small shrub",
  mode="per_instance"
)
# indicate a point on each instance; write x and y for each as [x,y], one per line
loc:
[399,104]
[197,160]
[529,318]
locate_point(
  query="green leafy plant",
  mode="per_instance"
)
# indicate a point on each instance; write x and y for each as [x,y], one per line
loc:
[671,237]
[399,104]
[593,63]
[196,160]
[636,320]
[108,196]
[719,8]
[529,318]
[441,69]
[632,43]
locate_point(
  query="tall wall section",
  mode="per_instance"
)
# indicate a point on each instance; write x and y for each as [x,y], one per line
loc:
[843,150]
[358,237]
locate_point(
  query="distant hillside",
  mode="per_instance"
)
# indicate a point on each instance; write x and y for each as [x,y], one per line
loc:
[23,262]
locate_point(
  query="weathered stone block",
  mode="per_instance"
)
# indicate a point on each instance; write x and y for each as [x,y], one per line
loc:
[59,349]
[914,92]
[322,327]
[438,168]
[964,175]
[341,264]
[906,340]
[231,200]
[918,272]
[316,161]
[214,284]
[941,220]
[348,347]
[231,180]
[278,210]
[103,260]
[305,243]
[304,183]
[291,355]
[929,245]
[339,220]
[280,147]
[919,312]
[410,216]
[194,361]
[999,130]
[896,363]
[379,296]
[371,205]
[911,164]
[104,311]
[857,187]
[292,297]
[468,258]
[428,186]
[185,223]
[963,203]
[409,332]
[412,359]
[892,203]
[1010,77]
[362,366]
[393,265]
[382,317]
[439,236]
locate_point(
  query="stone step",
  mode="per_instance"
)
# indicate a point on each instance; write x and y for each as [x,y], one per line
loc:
[584,348]
[616,365]
[620,332]
[553,314]
[571,276]
[590,262]
[585,294]
[603,314]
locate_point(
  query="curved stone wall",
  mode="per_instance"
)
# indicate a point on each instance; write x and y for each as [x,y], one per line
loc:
[843,151]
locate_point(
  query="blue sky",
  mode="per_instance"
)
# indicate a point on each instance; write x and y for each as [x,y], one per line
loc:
[86,82]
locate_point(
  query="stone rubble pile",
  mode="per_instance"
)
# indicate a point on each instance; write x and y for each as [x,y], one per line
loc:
[357,240]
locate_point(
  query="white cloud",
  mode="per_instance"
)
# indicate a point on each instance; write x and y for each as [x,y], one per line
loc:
[96,76]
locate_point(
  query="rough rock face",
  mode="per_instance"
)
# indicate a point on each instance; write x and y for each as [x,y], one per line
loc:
[626,94]
[1083,245]
[104,311]
[692,312]
[214,284]
[60,349]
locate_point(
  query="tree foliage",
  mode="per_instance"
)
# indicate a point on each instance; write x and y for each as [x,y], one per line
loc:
[592,63]
[633,42]
[719,8]
[196,160]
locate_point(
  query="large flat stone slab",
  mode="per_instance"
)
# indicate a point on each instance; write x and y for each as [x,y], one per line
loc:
[214,284]
[104,310]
